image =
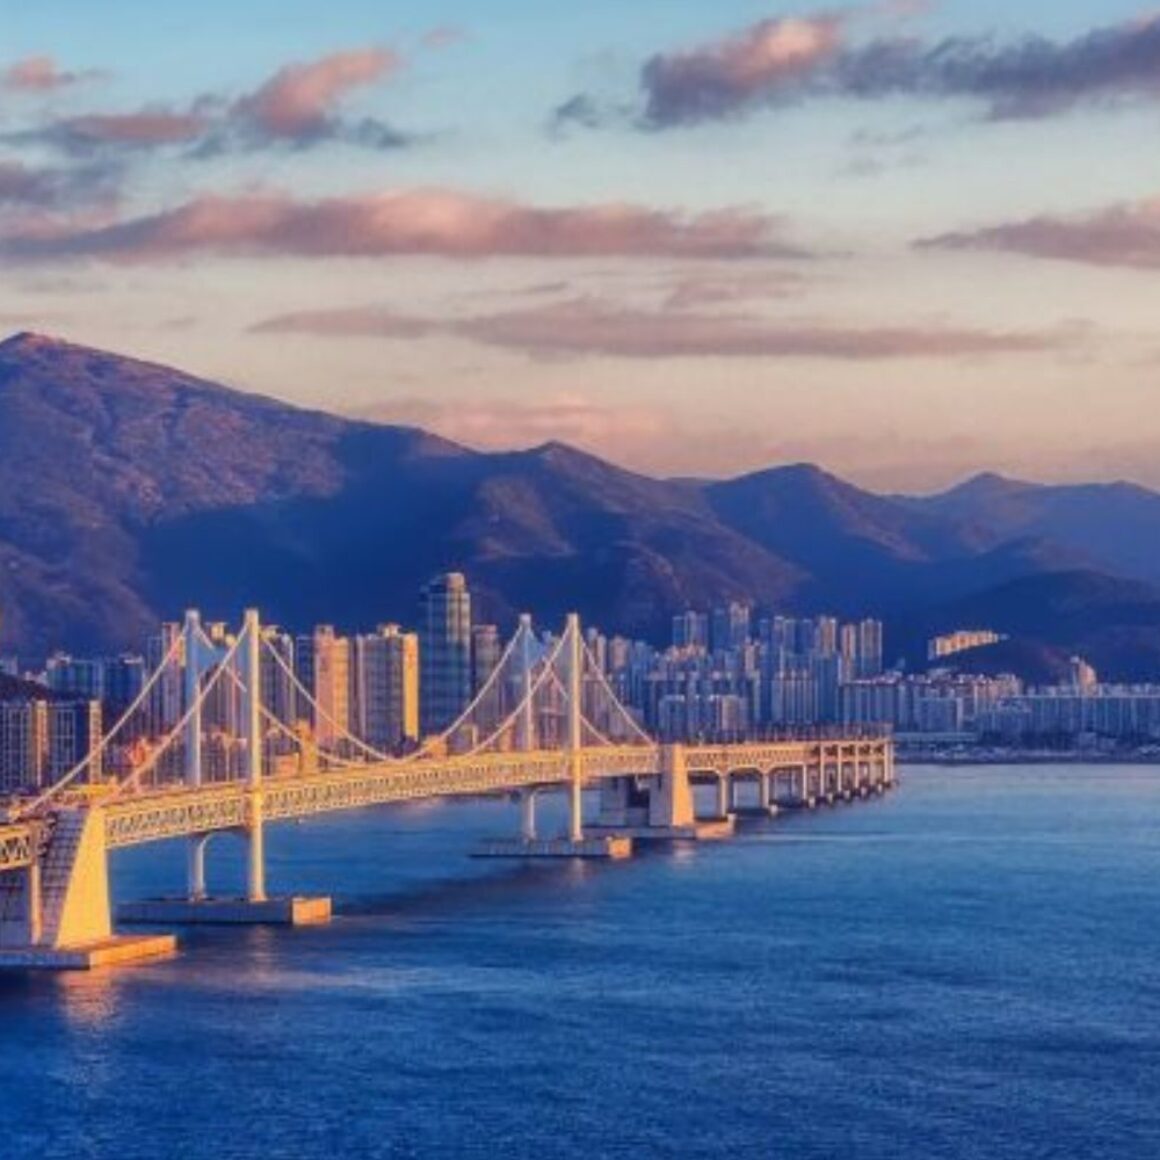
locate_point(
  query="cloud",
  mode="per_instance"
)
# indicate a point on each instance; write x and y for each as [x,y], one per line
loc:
[148,128]
[430,221]
[40,74]
[299,106]
[613,432]
[46,187]
[789,59]
[757,65]
[1121,235]
[298,103]
[594,327]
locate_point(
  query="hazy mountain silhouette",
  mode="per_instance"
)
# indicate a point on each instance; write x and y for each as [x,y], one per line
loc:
[1116,525]
[128,490]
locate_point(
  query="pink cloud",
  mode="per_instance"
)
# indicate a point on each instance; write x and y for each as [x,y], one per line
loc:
[716,79]
[1121,235]
[144,128]
[40,74]
[299,100]
[427,221]
[586,327]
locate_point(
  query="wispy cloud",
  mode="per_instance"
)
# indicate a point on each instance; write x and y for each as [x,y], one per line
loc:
[789,59]
[41,74]
[1120,235]
[595,327]
[44,187]
[438,222]
[91,133]
[298,106]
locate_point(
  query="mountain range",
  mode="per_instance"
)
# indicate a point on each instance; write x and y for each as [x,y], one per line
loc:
[129,490]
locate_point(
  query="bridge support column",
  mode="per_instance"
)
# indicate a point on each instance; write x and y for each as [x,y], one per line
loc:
[195,867]
[528,815]
[256,853]
[724,795]
[614,803]
[765,791]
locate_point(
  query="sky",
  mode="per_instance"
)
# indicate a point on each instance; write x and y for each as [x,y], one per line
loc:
[906,240]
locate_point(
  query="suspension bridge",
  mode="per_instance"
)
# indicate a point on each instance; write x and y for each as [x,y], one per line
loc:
[234,756]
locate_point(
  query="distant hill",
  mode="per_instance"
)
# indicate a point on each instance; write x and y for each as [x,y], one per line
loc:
[129,490]
[1116,526]
[1111,622]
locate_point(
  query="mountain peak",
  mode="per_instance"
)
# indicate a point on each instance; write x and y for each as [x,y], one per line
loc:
[30,340]
[992,483]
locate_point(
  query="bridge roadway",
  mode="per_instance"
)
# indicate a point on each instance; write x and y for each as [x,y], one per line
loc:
[178,811]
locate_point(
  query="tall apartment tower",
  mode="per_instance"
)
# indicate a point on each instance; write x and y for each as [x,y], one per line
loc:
[690,630]
[486,650]
[385,688]
[444,651]
[870,658]
[331,684]
[730,627]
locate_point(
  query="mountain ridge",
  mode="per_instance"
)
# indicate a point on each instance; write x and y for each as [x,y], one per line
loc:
[129,490]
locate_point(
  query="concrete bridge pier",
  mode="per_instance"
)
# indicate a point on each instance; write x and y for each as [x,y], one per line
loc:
[195,867]
[56,912]
[724,795]
[528,814]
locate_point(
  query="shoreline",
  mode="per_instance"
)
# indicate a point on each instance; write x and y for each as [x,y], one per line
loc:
[1017,758]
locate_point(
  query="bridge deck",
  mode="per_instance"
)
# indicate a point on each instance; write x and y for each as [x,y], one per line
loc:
[178,811]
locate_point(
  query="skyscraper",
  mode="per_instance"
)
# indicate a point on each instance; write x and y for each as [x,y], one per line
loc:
[690,630]
[331,684]
[385,687]
[730,627]
[869,648]
[486,650]
[444,651]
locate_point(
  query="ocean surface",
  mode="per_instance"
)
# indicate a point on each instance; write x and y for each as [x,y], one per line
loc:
[969,968]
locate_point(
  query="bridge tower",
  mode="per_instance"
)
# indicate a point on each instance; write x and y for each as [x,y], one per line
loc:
[255,813]
[575,729]
[192,647]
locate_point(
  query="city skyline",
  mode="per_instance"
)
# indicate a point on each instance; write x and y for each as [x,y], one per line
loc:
[904,272]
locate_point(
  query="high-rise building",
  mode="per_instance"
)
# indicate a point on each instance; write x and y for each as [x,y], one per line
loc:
[277,670]
[23,744]
[42,740]
[869,649]
[114,681]
[331,685]
[690,630]
[444,651]
[166,702]
[385,688]
[73,730]
[486,650]
[730,627]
